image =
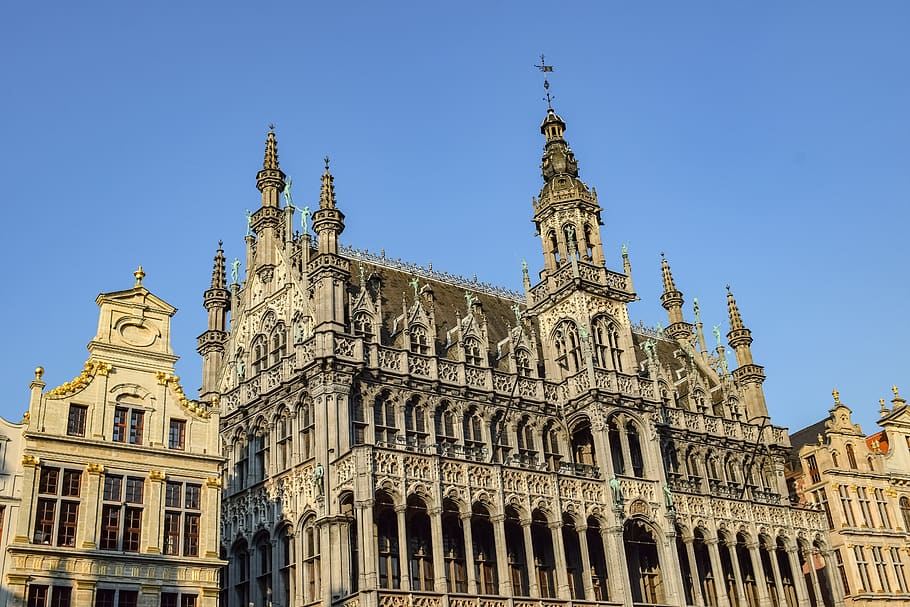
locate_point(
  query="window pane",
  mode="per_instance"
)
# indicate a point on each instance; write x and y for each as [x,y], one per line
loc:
[113,487]
[48,481]
[192,497]
[75,425]
[134,490]
[71,481]
[172,495]
[176,434]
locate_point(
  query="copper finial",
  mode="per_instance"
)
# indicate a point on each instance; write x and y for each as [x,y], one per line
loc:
[139,274]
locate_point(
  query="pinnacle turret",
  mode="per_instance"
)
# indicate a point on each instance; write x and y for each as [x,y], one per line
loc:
[218,275]
[749,375]
[558,158]
[327,191]
[270,180]
[328,221]
[672,302]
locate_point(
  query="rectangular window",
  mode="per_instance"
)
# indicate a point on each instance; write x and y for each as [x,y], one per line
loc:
[176,434]
[59,596]
[842,571]
[846,506]
[879,561]
[121,513]
[75,425]
[182,518]
[882,506]
[105,597]
[822,500]
[898,566]
[864,506]
[57,517]
[863,568]
[108,597]
[128,425]
[812,465]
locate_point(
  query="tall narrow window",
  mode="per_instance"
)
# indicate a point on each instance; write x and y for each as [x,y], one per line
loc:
[181,518]
[283,442]
[415,421]
[121,513]
[905,512]
[523,362]
[57,508]
[358,421]
[862,568]
[384,419]
[847,506]
[879,560]
[864,506]
[842,571]
[306,419]
[176,435]
[567,346]
[363,326]
[279,345]
[472,351]
[812,466]
[420,547]
[822,500]
[882,506]
[260,354]
[75,424]
[387,543]
[419,341]
[898,566]
[851,456]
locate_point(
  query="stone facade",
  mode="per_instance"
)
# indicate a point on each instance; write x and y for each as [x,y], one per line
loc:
[397,436]
[11,443]
[862,484]
[120,476]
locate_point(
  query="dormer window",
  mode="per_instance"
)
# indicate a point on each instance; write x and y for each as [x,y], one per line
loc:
[523,362]
[363,326]
[472,352]
[419,341]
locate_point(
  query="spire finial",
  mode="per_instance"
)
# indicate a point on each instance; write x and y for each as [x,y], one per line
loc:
[218,278]
[894,390]
[327,192]
[271,150]
[545,69]
[139,274]
[836,396]
[669,285]
[736,321]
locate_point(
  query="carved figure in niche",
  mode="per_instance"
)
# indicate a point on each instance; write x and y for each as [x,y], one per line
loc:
[668,499]
[241,370]
[298,332]
[617,492]
[318,473]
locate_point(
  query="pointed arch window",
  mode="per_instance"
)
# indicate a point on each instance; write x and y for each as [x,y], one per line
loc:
[473,351]
[583,445]
[453,551]
[415,420]
[279,344]
[445,426]
[473,432]
[283,441]
[306,420]
[635,453]
[420,546]
[554,248]
[311,562]
[607,351]
[551,452]
[285,564]
[484,551]
[386,522]
[420,343]
[851,456]
[524,432]
[363,326]
[567,346]
[358,421]
[384,420]
[260,354]
[264,572]
[523,362]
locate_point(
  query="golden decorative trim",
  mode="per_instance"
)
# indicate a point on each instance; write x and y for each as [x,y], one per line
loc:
[213,483]
[156,475]
[195,407]
[30,461]
[95,468]
[89,371]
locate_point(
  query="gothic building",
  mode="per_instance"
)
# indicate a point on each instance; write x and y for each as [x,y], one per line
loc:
[396,436]
[120,487]
[862,483]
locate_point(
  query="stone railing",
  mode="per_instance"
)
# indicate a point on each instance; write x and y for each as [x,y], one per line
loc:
[719,426]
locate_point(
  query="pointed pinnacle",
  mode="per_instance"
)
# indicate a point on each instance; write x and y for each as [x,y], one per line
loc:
[669,286]
[271,152]
[736,321]
[327,191]
[218,277]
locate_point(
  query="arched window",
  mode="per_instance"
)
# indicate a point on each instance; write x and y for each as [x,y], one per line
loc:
[261,453]
[306,421]
[597,558]
[693,471]
[311,569]
[523,362]
[445,425]
[283,441]
[544,561]
[473,432]
[453,549]
[358,420]
[259,354]
[515,553]
[484,551]
[730,469]
[386,522]
[524,431]
[415,421]
[279,343]
[472,351]
[615,440]
[645,577]
[718,408]
[420,343]
[499,437]
[363,326]
[834,459]
[607,353]
[638,461]
[567,346]
[713,473]
[671,459]
[240,572]
[286,565]
[551,452]
[346,501]
[241,463]
[264,569]
[384,419]
[583,445]
[572,549]
[905,512]
[420,546]
[851,456]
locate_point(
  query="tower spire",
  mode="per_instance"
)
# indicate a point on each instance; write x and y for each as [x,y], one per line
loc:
[749,375]
[211,343]
[327,191]
[328,221]
[270,180]
[672,302]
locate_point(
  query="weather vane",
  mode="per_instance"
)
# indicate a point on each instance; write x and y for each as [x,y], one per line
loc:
[543,67]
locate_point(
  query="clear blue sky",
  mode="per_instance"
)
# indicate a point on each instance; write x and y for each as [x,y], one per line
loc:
[763,144]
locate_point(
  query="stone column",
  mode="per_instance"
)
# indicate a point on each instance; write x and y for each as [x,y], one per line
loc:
[533,587]
[439,569]
[210,521]
[813,575]
[799,580]
[502,556]
[400,510]
[758,569]
[717,569]
[778,580]
[559,554]
[91,498]
[368,550]
[737,573]
[618,574]
[465,518]
[834,580]
[588,582]
[155,512]
[27,510]
[624,444]
[673,585]
[693,568]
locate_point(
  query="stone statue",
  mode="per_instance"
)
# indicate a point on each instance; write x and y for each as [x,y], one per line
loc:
[470,299]
[625,249]
[716,330]
[249,222]
[298,332]
[668,499]
[583,332]
[415,284]
[617,492]
[516,309]
[235,270]
[287,194]
[649,346]
[241,370]
[318,473]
